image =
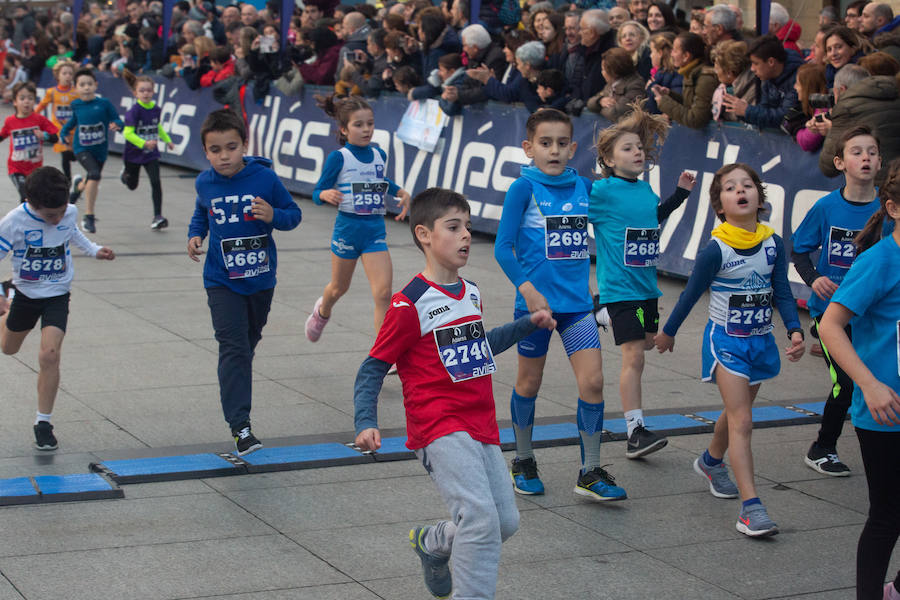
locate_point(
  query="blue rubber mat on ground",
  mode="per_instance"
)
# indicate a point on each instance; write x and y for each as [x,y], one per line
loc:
[299,454]
[393,445]
[816,407]
[79,486]
[169,468]
[761,414]
[557,431]
[17,487]
[659,423]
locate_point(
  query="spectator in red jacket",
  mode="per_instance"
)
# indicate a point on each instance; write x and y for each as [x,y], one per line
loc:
[222,67]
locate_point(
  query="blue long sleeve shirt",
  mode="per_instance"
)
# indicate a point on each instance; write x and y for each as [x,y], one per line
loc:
[241,254]
[709,263]
[90,122]
[335,162]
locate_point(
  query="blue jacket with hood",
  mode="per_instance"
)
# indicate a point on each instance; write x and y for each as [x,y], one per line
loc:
[776,96]
[241,254]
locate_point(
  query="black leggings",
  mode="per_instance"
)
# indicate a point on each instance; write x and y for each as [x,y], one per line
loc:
[838,402]
[881,457]
[67,158]
[132,174]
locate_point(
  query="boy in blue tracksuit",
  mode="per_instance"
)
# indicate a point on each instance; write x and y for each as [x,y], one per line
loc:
[91,116]
[542,248]
[239,202]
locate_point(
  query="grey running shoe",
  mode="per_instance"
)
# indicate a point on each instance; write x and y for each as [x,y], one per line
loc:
[720,484]
[88,223]
[436,568]
[825,461]
[755,522]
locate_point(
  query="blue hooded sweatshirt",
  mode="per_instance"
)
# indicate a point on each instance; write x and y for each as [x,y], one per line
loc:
[241,254]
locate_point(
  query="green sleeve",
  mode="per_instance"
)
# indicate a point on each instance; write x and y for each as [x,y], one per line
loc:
[163,135]
[131,137]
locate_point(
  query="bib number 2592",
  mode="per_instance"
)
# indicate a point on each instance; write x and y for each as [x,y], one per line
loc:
[464,351]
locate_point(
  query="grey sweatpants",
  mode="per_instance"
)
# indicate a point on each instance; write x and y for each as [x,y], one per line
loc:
[473,480]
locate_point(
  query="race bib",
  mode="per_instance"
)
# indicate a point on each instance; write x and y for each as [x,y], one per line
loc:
[91,135]
[26,146]
[147,132]
[246,257]
[43,263]
[641,247]
[749,314]
[368,198]
[464,351]
[566,237]
[63,113]
[841,249]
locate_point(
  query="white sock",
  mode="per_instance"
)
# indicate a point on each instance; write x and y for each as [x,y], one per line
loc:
[634,418]
[42,417]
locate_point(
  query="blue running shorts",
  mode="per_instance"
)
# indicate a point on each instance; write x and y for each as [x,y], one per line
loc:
[755,358]
[358,234]
[578,331]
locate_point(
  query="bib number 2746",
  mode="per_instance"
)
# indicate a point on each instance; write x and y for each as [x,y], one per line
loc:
[464,351]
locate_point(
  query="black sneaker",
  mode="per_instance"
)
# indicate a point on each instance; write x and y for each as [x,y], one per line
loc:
[825,461]
[43,436]
[88,223]
[75,194]
[244,440]
[524,473]
[159,222]
[643,442]
[8,289]
[598,484]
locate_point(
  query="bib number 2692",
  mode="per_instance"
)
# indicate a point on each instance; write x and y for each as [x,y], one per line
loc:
[464,351]
[566,237]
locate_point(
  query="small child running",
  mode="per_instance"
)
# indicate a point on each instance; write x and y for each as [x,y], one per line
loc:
[27,131]
[239,202]
[745,268]
[433,332]
[91,117]
[870,296]
[143,133]
[354,180]
[59,99]
[626,215]
[37,234]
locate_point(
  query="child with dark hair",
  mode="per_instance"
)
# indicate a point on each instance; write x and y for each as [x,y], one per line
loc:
[222,67]
[240,201]
[623,86]
[434,333]
[37,234]
[355,180]
[91,117]
[27,131]
[405,78]
[551,88]
[870,296]
[744,267]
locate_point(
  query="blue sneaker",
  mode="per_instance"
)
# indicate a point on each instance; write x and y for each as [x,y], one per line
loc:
[720,484]
[598,484]
[525,478]
[755,522]
[436,568]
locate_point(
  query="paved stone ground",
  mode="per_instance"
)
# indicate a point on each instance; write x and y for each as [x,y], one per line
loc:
[139,378]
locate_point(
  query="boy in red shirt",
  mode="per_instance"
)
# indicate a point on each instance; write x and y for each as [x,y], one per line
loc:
[433,332]
[27,131]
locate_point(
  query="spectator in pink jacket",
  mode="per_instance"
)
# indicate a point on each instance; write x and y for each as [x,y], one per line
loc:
[810,80]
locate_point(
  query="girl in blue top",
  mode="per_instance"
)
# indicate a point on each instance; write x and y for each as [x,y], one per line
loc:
[354,180]
[869,299]
[832,224]
[744,267]
[626,215]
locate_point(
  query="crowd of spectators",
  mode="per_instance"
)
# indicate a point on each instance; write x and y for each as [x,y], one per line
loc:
[589,55]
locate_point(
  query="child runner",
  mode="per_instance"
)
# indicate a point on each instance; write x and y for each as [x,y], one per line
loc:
[91,115]
[626,215]
[870,295]
[143,133]
[354,180]
[60,99]
[27,131]
[832,224]
[38,234]
[239,202]
[542,247]
[745,268]
[433,332]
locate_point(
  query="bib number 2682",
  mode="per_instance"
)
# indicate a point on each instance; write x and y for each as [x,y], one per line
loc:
[464,351]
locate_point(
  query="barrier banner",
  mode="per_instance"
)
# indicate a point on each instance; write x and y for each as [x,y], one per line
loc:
[480,154]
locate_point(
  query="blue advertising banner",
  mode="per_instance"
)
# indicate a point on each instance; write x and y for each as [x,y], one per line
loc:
[480,154]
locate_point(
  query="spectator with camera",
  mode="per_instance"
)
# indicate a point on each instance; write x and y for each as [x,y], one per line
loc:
[861,99]
[813,107]
[355,30]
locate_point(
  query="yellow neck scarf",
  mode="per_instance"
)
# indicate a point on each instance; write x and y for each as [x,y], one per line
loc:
[741,238]
[688,67]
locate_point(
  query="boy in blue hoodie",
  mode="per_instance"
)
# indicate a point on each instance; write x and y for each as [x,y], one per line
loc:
[91,116]
[239,202]
[542,246]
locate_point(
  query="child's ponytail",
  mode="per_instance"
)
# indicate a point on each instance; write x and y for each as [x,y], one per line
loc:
[340,109]
[129,78]
[872,232]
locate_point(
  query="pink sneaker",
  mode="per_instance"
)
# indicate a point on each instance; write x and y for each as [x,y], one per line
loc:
[315,323]
[890,592]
